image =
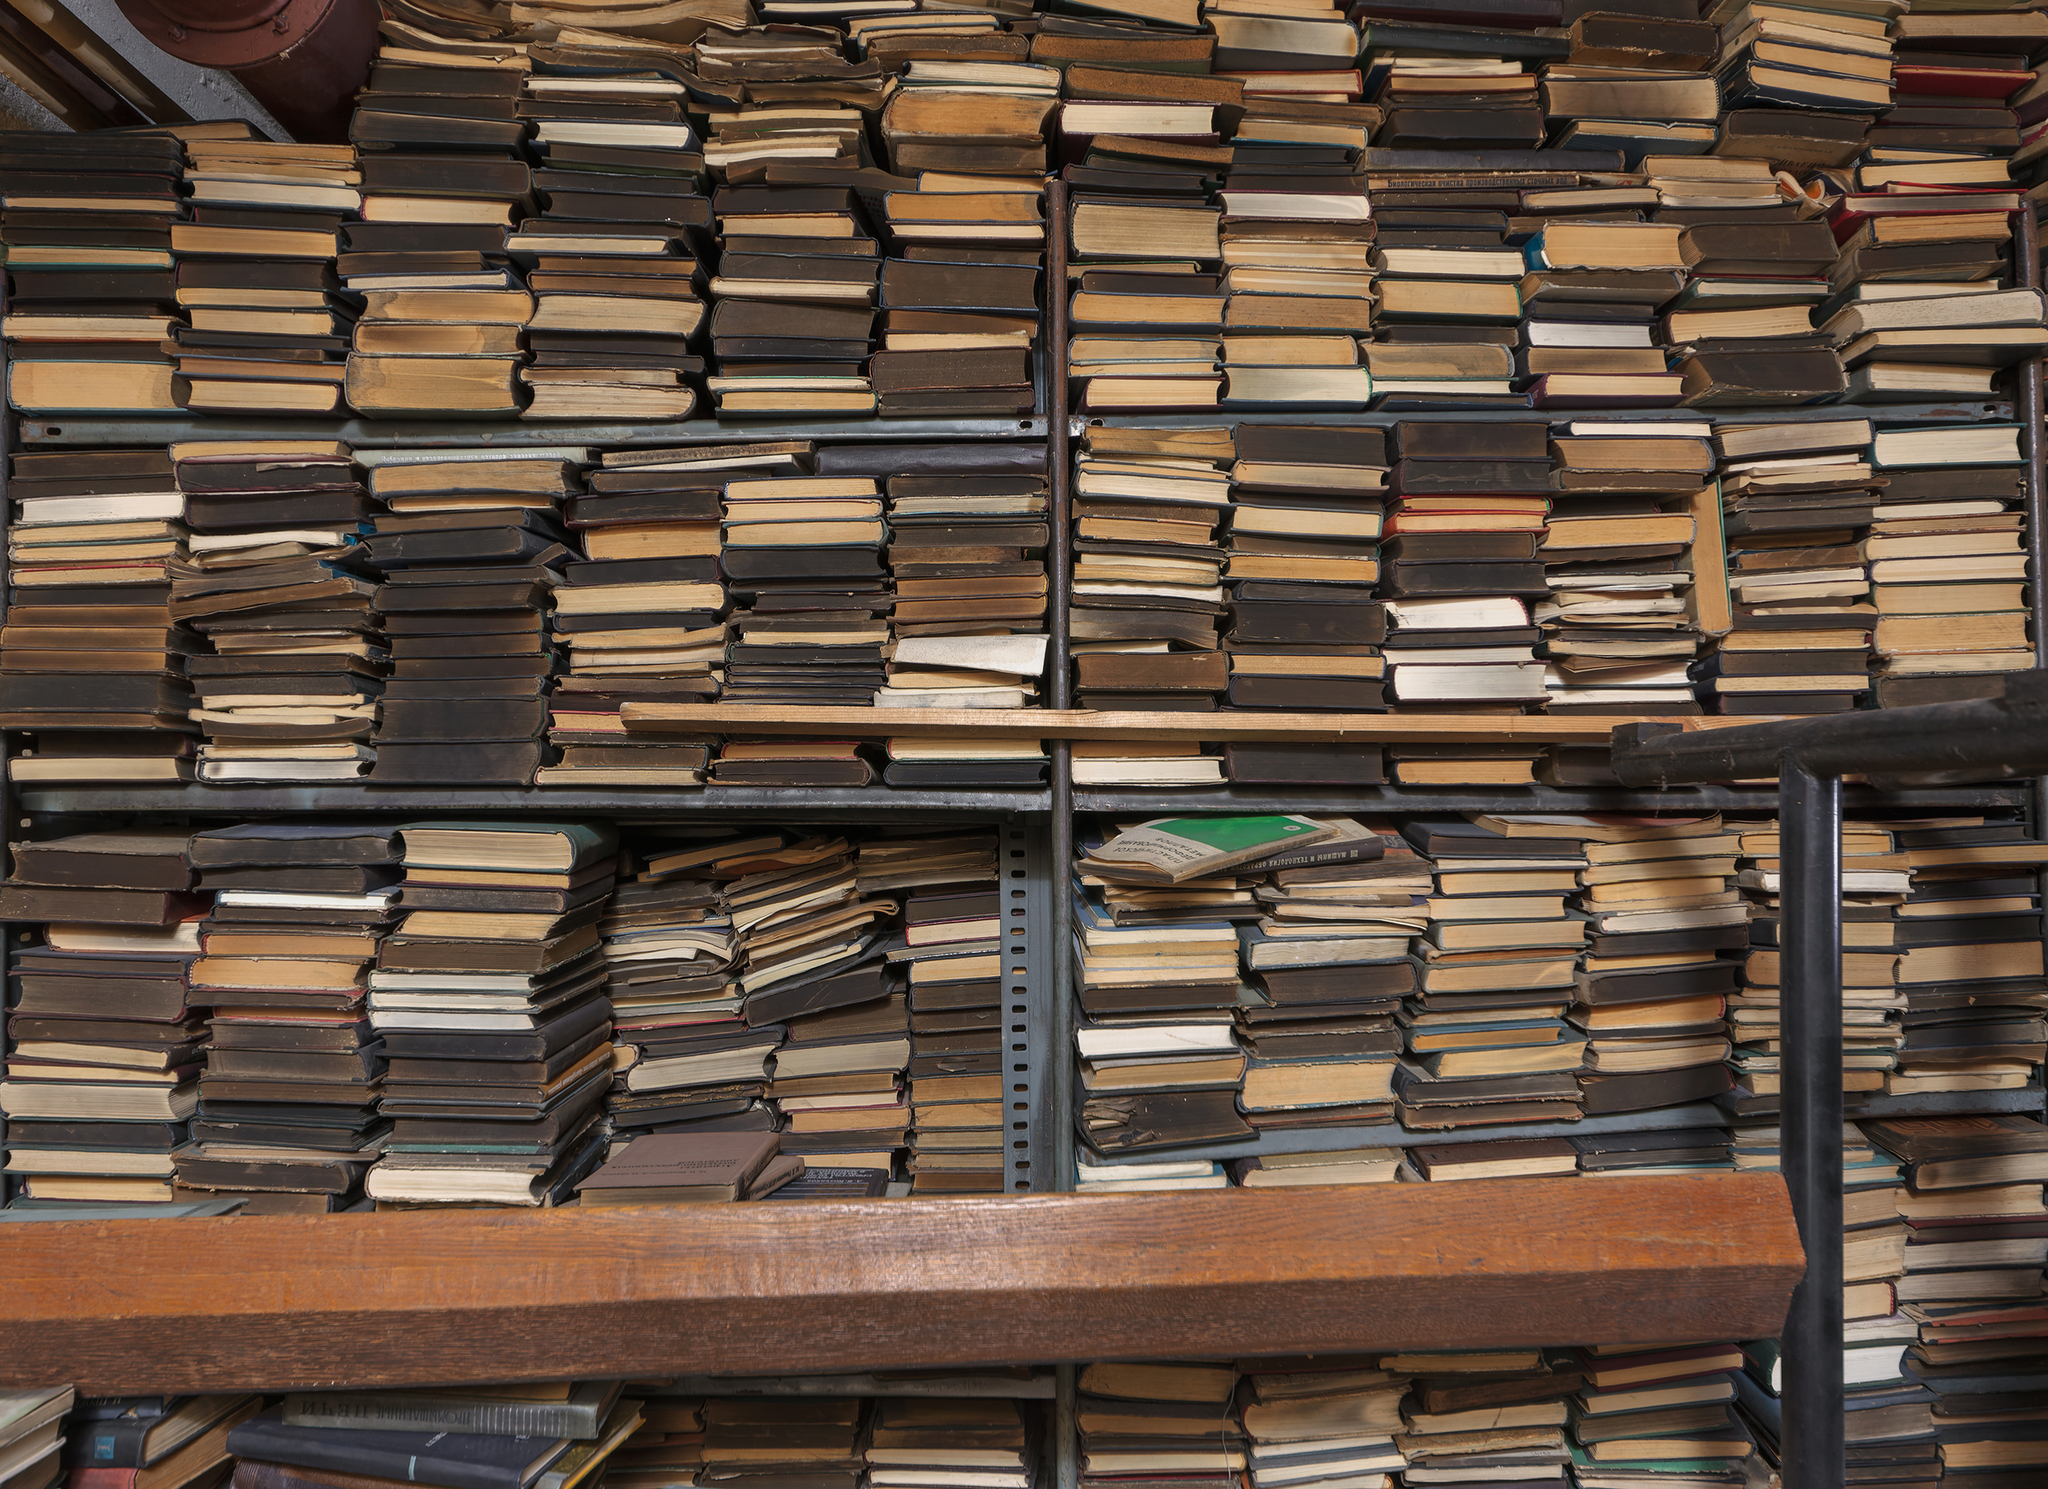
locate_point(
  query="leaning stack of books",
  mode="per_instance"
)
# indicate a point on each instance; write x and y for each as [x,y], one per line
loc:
[277,583]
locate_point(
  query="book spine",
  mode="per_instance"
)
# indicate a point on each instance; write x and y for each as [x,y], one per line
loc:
[495,1419]
[271,1441]
[101,1478]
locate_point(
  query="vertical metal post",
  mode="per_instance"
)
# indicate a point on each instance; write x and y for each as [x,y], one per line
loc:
[1059,1063]
[2027,409]
[1810,1111]
[1066,1432]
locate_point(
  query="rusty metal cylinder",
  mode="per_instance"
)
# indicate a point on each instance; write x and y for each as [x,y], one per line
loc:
[303,60]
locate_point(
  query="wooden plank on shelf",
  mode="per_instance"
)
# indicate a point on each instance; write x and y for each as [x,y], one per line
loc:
[420,1298]
[1046,723]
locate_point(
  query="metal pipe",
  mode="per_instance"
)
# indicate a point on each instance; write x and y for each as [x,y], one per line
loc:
[2027,408]
[1066,1433]
[1810,1439]
[1976,740]
[303,62]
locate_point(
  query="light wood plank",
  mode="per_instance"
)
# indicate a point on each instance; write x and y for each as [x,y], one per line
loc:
[1046,723]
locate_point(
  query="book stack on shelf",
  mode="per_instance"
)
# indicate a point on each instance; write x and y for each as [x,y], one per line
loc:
[92,664]
[1459,629]
[611,259]
[177,1442]
[1601,1417]
[952,951]
[1306,509]
[1874,880]
[473,557]
[92,301]
[1623,618]
[288,1116]
[641,615]
[106,1041]
[1944,556]
[1137,1418]
[1795,499]
[444,176]
[276,583]
[267,330]
[497,949]
[32,1424]
[1146,597]
[1485,1036]
[1970,960]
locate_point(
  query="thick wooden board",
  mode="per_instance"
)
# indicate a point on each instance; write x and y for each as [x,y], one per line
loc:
[1046,723]
[479,1295]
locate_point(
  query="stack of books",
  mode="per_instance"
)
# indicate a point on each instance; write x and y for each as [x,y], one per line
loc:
[1945,563]
[1970,975]
[684,1058]
[1328,964]
[1159,1417]
[1637,84]
[1499,957]
[908,1439]
[443,178]
[1623,619]
[788,335]
[107,1046]
[1146,592]
[1592,290]
[808,552]
[1653,1024]
[612,257]
[1325,1426]
[816,1437]
[547,1436]
[288,1118]
[690,1168]
[1459,630]
[1835,59]
[277,583]
[1874,880]
[811,942]
[1795,499]
[1969,1177]
[91,300]
[1664,932]
[967,554]
[268,331]
[90,658]
[472,551]
[32,1424]
[1161,1065]
[498,945]
[1664,1412]
[1305,517]
[654,514]
[961,304]
[952,924]
[1146,244]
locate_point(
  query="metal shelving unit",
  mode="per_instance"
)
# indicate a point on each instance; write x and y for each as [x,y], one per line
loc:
[1037,823]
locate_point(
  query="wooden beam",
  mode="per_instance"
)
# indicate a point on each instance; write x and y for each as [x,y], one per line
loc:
[1047,723]
[421,1298]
